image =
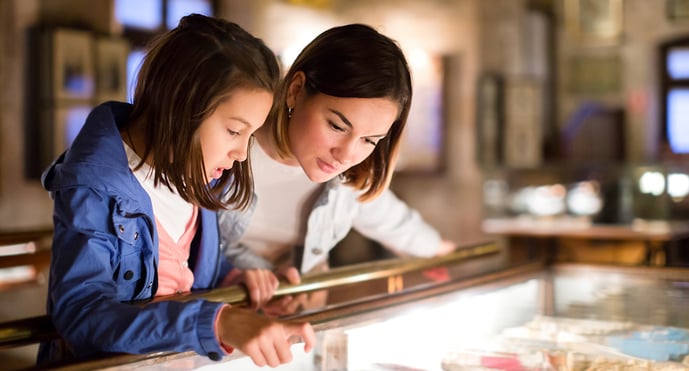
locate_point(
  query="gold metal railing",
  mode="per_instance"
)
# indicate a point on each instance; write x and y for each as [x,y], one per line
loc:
[37,329]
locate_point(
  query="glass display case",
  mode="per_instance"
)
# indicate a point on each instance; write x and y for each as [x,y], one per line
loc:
[478,309]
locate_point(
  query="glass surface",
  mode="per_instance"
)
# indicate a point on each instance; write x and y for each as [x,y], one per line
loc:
[179,8]
[139,14]
[678,63]
[616,296]
[597,317]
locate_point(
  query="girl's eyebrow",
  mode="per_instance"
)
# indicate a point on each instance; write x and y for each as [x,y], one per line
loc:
[243,121]
[349,124]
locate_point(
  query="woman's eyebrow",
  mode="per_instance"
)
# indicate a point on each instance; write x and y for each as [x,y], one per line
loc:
[342,117]
[349,124]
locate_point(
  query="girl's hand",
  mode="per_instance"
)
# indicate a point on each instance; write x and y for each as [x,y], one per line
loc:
[266,341]
[260,284]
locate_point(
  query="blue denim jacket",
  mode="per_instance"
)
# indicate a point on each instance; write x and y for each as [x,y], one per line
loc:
[385,219]
[105,253]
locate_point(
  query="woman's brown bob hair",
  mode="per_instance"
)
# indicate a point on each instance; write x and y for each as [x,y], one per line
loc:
[186,74]
[352,61]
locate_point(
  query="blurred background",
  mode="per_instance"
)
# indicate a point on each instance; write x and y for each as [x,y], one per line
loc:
[559,119]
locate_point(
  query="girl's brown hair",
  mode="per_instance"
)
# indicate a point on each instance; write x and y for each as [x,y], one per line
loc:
[186,74]
[353,61]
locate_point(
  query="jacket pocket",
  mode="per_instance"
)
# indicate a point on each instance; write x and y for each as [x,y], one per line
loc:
[130,267]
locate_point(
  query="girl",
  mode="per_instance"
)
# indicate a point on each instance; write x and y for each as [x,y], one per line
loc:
[135,207]
[325,157]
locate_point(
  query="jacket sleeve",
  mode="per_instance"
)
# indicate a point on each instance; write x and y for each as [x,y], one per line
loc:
[91,268]
[232,225]
[391,222]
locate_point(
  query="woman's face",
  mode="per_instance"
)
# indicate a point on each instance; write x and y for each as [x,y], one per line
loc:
[225,134]
[328,135]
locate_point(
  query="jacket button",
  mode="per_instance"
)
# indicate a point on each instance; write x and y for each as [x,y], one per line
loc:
[136,236]
[121,227]
[214,356]
[150,284]
[317,251]
[128,275]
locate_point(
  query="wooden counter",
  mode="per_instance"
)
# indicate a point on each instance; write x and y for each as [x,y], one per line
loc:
[641,242]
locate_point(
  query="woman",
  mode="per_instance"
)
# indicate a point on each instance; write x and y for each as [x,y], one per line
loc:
[324,159]
[136,197]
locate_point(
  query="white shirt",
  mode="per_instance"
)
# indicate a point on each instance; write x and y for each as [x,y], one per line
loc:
[285,196]
[171,211]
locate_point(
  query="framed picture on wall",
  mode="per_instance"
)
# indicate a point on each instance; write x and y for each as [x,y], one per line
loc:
[594,74]
[489,120]
[594,22]
[71,64]
[111,69]
[523,134]
[67,121]
[678,9]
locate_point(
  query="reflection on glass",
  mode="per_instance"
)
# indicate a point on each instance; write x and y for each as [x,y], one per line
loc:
[584,198]
[139,14]
[547,200]
[678,63]
[677,186]
[652,182]
[179,8]
[678,120]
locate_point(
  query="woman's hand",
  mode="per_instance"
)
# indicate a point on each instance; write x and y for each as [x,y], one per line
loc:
[446,247]
[260,284]
[266,341]
[287,304]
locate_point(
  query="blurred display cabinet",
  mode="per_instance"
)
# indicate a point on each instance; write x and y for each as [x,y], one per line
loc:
[599,193]
[634,214]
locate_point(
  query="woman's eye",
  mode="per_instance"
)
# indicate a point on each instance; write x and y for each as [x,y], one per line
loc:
[335,126]
[370,141]
[232,132]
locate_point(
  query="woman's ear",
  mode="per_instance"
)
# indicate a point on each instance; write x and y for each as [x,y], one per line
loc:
[296,85]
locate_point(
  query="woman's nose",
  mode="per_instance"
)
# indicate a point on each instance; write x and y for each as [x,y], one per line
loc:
[345,153]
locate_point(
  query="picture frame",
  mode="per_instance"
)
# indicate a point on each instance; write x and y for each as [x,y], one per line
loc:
[67,122]
[71,66]
[599,74]
[111,68]
[677,9]
[524,121]
[594,22]
[490,119]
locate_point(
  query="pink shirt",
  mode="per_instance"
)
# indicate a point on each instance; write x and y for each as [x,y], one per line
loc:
[174,274]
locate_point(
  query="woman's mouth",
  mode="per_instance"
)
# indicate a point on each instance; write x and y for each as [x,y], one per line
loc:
[325,167]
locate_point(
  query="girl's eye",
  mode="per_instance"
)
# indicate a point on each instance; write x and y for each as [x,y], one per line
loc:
[370,141]
[232,132]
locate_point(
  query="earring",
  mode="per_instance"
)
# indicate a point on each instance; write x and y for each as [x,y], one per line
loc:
[289,112]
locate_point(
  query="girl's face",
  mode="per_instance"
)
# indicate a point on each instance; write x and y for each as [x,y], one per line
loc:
[329,135]
[226,133]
